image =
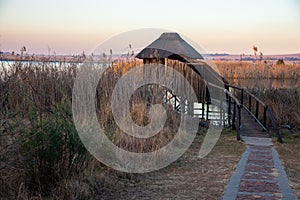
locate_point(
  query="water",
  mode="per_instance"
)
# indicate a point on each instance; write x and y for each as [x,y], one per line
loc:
[8,64]
[214,112]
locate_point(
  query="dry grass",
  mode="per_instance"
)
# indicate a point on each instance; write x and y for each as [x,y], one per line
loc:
[30,91]
[140,116]
[187,178]
[35,100]
[250,70]
[289,153]
[284,102]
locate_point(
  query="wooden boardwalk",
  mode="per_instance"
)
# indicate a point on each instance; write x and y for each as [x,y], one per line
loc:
[249,115]
[249,126]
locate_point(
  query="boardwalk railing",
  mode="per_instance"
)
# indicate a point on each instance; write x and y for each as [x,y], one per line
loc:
[230,101]
[234,112]
[233,107]
[255,107]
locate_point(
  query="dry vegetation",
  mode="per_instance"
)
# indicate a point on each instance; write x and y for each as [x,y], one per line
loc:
[187,178]
[39,144]
[250,70]
[40,149]
[284,102]
[41,155]
[289,154]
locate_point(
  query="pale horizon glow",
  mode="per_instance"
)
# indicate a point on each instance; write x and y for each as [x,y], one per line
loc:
[71,27]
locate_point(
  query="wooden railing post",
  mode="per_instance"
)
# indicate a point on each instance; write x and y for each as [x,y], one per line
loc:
[250,103]
[242,96]
[233,116]
[203,103]
[265,116]
[238,137]
[256,110]
[203,109]
[229,109]
[175,100]
[207,110]
[240,115]
[221,113]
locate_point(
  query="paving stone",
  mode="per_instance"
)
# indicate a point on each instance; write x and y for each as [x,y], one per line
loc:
[256,196]
[254,168]
[259,174]
[258,186]
[267,163]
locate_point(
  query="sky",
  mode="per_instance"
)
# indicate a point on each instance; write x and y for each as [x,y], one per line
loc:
[218,26]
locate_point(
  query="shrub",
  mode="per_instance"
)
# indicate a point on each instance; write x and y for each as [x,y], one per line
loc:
[53,151]
[280,62]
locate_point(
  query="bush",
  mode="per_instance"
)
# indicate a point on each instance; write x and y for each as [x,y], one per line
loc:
[280,62]
[53,151]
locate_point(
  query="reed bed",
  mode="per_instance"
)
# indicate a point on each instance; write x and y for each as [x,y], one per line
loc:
[40,151]
[284,101]
[285,104]
[250,70]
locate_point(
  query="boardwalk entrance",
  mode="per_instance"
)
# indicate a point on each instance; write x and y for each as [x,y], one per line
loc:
[250,127]
[254,116]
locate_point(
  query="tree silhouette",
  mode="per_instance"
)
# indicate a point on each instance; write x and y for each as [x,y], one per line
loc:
[260,56]
[23,49]
[255,49]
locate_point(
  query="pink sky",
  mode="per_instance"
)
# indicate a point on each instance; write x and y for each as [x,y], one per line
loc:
[70,27]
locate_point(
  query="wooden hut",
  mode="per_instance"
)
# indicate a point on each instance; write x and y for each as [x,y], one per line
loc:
[171,50]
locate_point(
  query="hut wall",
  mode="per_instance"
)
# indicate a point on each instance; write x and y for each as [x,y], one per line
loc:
[195,80]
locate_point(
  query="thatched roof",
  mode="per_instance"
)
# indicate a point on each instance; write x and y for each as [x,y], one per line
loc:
[172,46]
[169,45]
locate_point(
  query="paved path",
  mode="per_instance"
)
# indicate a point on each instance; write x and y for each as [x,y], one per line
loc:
[259,173]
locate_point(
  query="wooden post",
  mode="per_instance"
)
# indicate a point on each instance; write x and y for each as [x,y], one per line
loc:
[265,116]
[221,117]
[175,100]
[221,113]
[250,103]
[224,112]
[238,137]
[242,96]
[240,116]
[207,110]
[229,110]
[190,105]
[166,96]
[256,109]
[233,116]
[182,105]
[203,103]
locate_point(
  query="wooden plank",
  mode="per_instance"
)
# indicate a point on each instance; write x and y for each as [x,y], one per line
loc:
[250,127]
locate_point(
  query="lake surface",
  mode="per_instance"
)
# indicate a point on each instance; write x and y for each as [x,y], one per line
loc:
[8,64]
